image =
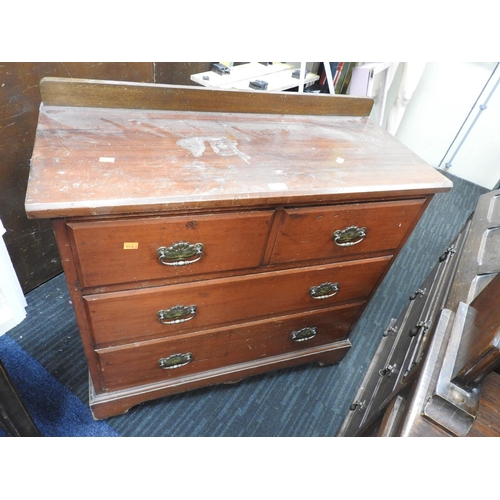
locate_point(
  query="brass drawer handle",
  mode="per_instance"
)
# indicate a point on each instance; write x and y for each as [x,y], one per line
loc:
[175,361]
[177,254]
[176,314]
[307,333]
[349,236]
[324,291]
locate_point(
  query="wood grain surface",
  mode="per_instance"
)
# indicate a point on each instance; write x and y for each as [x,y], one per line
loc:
[89,161]
[112,94]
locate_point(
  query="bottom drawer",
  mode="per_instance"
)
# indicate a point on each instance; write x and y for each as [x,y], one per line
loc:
[140,363]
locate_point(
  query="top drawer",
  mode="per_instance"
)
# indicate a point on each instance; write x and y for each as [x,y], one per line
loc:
[130,250]
[345,230]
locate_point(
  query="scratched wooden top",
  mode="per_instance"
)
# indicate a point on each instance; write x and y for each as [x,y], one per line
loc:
[99,161]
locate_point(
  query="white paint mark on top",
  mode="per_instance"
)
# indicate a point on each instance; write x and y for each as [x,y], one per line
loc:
[220,146]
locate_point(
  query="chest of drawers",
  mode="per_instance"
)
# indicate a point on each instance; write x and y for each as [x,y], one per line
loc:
[436,370]
[207,236]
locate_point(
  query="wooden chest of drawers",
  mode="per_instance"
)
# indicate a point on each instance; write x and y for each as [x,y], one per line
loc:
[211,235]
[436,371]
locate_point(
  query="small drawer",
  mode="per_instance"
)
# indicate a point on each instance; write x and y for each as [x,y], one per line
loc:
[337,231]
[136,249]
[175,309]
[159,360]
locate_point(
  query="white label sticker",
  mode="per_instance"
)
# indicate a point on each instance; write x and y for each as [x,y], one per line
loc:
[106,159]
[278,186]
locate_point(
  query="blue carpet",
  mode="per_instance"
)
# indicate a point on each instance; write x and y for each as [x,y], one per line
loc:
[55,410]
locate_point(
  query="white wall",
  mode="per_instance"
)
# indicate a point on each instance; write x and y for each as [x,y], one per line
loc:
[445,96]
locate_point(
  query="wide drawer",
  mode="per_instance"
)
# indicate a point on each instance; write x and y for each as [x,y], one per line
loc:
[132,315]
[154,361]
[338,231]
[131,250]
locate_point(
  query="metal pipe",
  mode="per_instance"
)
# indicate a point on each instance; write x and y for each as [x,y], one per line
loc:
[482,107]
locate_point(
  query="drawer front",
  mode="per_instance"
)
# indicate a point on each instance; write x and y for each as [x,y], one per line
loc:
[402,349]
[124,251]
[338,231]
[127,316]
[184,355]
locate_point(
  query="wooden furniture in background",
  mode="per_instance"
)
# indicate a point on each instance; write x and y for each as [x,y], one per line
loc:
[434,371]
[15,419]
[210,235]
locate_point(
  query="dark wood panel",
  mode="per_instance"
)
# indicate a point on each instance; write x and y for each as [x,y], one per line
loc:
[479,352]
[80,92]
[179,73]
[487,423]
[31,243]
